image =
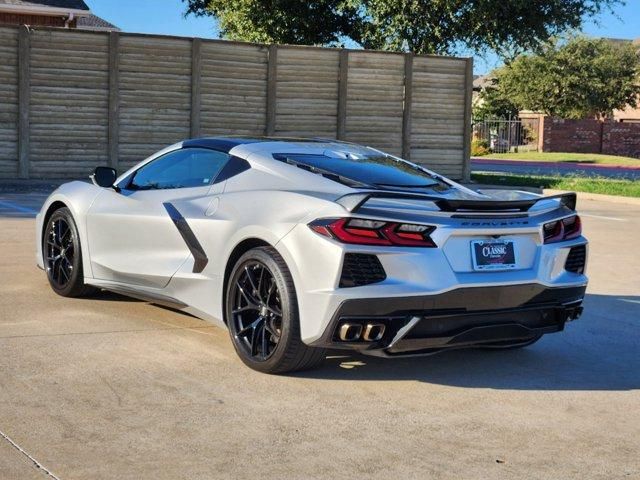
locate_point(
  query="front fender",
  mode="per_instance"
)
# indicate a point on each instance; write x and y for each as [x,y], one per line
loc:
[77,197]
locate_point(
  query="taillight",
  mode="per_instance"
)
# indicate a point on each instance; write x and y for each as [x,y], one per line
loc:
[374,232]
[565,229]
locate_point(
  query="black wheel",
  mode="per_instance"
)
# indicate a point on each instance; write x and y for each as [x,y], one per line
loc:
[512,345]
[62,255]
[262,315]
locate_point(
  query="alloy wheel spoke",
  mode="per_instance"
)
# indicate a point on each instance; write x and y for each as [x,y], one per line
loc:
[271,330]
[256,312]
[265,340]
[248,298]
[271,290]
[255,339]
[252,281]
[246,308]
[251,327]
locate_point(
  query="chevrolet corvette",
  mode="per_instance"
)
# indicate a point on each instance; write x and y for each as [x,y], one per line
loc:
[298,246]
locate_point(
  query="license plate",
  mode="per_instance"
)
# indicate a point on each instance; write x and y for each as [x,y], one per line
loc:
[493,254]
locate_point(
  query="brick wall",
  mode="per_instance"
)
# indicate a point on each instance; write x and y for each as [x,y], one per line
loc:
[590,136]
[575,136]
[621,139]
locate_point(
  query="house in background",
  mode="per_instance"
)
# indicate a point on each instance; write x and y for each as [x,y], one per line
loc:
[73,14]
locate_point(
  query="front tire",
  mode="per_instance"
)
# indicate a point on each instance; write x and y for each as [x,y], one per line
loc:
[262,315]
[62,255]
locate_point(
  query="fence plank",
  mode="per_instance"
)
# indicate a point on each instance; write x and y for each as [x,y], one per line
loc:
[466,161]
[272,90]
[407,106]
[114,98]
[196,76]
[343,87]
[24,92]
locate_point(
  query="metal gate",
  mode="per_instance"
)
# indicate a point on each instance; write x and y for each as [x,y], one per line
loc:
[508,135]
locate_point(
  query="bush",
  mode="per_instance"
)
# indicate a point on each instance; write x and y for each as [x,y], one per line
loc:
[479,147]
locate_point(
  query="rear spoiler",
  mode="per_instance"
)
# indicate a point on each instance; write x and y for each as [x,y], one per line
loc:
[353,202]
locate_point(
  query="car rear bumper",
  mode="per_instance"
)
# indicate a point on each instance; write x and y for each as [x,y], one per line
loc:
[472,316]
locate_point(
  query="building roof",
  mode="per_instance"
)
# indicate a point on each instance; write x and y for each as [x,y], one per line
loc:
[66,4]
[93,22]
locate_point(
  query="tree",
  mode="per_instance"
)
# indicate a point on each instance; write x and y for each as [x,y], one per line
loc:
[582,78]
[420,26]
[492,102]
[323,22]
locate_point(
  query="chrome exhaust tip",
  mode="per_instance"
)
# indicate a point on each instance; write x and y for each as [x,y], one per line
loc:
[350,332]
[373,332]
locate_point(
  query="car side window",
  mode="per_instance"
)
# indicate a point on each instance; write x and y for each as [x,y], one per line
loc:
[188,167]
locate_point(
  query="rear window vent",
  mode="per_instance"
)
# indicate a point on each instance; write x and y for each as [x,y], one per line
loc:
[576,259]
[361,269]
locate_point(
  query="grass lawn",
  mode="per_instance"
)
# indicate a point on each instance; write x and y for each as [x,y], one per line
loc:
[585,158]
[607,186]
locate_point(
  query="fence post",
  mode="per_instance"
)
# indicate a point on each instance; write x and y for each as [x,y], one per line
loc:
[466,138]
[406,107]
[343,85]
[196,62]
[24,100]
[114,98]
[272,90]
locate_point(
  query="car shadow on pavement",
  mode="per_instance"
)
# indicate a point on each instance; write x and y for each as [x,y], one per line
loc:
[600,351]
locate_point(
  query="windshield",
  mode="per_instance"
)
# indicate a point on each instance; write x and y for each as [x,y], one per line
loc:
[374,170]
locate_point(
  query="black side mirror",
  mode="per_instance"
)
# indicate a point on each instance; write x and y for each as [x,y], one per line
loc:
[104,176]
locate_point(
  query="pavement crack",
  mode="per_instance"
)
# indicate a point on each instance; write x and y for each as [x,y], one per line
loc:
[35,462]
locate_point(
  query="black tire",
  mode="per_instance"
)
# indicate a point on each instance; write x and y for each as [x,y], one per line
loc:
[262,315]
[512,345]
[62,255]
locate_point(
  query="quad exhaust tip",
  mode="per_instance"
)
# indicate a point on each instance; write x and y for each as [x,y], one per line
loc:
[353,332]
[350,332]
[373,332]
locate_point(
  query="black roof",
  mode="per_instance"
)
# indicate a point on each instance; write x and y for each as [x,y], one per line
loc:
[70,4]
[225,144]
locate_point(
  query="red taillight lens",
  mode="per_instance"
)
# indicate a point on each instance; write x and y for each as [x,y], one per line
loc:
[565,229]
[374,232]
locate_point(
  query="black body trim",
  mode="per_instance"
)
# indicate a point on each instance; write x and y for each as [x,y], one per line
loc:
[225,144]
[233,167]
[457,318]
[200,257]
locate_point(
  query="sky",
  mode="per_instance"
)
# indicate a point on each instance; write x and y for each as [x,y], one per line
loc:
[166,17]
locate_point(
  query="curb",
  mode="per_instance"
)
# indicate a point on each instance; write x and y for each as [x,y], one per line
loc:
[597,196]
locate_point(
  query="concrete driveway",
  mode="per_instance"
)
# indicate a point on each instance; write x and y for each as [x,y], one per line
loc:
[113,388]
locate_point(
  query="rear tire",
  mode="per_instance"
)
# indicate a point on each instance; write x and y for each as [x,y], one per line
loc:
[262,315]
[62,255]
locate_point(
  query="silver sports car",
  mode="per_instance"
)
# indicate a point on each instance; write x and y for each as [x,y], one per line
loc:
[298,246]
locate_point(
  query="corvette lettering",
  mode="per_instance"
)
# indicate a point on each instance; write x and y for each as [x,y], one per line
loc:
[499,223]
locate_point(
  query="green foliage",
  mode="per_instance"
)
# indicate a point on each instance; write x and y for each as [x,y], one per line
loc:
[420,26]
[493,103]
[322,22]
[583,78]
[479,147]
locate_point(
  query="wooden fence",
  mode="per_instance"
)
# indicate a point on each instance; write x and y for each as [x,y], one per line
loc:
[72,100]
